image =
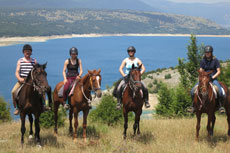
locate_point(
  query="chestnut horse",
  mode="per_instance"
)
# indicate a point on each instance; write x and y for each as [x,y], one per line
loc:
[205,102]
[132,99]
[79,100]
[30,99]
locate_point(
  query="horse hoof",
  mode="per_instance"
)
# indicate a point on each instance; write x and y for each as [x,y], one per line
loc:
[85,140]
[75,140]
[30,136]
[55,134]
[39,146]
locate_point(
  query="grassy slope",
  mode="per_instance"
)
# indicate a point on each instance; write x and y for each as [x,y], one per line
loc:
[158,136]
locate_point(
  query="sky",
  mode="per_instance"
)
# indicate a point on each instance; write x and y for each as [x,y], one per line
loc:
[200,1]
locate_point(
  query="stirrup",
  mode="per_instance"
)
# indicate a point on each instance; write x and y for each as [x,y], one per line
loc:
[221,110]
[66,106]
[147,105]
[191,110]
[118,106]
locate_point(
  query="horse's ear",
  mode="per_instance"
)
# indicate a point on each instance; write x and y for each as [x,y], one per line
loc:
[44,65]
[90,72]
[208,73]
[99,70]
[139,67]
[133,66]
[36,65]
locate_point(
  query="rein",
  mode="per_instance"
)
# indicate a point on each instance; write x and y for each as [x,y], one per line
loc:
[92,90]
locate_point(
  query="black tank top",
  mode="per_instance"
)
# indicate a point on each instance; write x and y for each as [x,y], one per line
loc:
[72,70]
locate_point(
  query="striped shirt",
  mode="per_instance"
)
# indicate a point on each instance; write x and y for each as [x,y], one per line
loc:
[26,66]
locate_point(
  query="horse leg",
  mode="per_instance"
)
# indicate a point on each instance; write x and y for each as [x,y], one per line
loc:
[125,123]
[31,126]
[49,96]
[56,106]
[210,118]
[228,118]
[70,120]
[213,123]
[198,116]
[23,128]
[37,130]
[85,114]
[75,124]
[136,124]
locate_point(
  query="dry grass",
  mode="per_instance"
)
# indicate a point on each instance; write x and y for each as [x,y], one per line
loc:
[157,136]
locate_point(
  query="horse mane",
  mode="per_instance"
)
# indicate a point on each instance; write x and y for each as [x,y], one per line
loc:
[29,76]
[84,78]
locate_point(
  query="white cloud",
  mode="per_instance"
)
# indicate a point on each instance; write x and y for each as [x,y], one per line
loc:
[200,1]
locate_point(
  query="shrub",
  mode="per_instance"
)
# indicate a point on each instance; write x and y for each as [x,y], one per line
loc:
[155,82]
[150,85]
[47,118]
[106,111]
[4,111]
[168,76]
[150,77]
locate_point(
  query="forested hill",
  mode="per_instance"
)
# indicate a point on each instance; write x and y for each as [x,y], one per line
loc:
[43,22]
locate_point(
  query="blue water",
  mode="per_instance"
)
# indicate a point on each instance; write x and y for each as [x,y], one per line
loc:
[106,53]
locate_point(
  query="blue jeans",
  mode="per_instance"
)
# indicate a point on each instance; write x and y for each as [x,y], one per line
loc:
[215,82]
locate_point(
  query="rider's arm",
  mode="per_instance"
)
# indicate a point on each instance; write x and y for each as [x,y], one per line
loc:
[64,71]
[21,80]
[217,73]
[142,66]
[81,70]
[121,68]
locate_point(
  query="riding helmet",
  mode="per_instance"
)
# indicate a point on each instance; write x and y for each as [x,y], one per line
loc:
[26,47]
[208,49]
[73,50]
[131,48]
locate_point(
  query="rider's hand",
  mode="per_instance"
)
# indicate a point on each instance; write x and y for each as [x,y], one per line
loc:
[78,77]
[21,80]
[65,81]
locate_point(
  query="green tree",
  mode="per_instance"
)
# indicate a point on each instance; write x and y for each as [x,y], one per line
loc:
[188,69]
[4,111]
[106,112]
[225,73]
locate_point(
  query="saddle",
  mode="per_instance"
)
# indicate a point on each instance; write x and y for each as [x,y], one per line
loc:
[215,90]
[17,91]
[69,91]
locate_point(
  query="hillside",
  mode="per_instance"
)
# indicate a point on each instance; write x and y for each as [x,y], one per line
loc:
[157,135]
[46,22]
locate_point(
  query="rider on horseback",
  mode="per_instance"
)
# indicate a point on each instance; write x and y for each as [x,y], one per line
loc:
[210,63]
[127,63]
[72,64]
[24,66]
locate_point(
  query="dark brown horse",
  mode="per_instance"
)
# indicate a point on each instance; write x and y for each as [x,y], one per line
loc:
[79,100]
[132,99]
[206,102]
[31,97]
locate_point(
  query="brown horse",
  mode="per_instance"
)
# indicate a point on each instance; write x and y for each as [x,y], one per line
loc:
[79,101]
[31,97]
[132,99]
[206,102]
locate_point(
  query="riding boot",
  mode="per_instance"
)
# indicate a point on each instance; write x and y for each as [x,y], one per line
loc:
[119,95]
[146,97]
[221,109]
[16,110]
[191,109]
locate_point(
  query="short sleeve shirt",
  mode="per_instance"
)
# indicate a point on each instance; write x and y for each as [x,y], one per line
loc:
[209,65]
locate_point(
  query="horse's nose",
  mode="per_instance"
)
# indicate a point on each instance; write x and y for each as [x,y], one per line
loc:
[98,93]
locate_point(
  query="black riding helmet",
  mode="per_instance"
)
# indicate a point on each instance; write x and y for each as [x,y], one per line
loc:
[73,50]
[131,48]
[208,49]
[26,47]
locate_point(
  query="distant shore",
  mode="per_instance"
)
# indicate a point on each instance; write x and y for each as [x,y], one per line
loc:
[8,41]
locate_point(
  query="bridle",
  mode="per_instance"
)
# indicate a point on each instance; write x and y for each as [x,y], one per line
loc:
[132,83]
[92,87]
[36,84]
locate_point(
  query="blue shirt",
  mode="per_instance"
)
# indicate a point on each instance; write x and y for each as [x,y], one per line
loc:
[209,65]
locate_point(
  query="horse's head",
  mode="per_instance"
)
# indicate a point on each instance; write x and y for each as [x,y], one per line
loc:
[95,81]
[135,77]
[39,78]
[204,80]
